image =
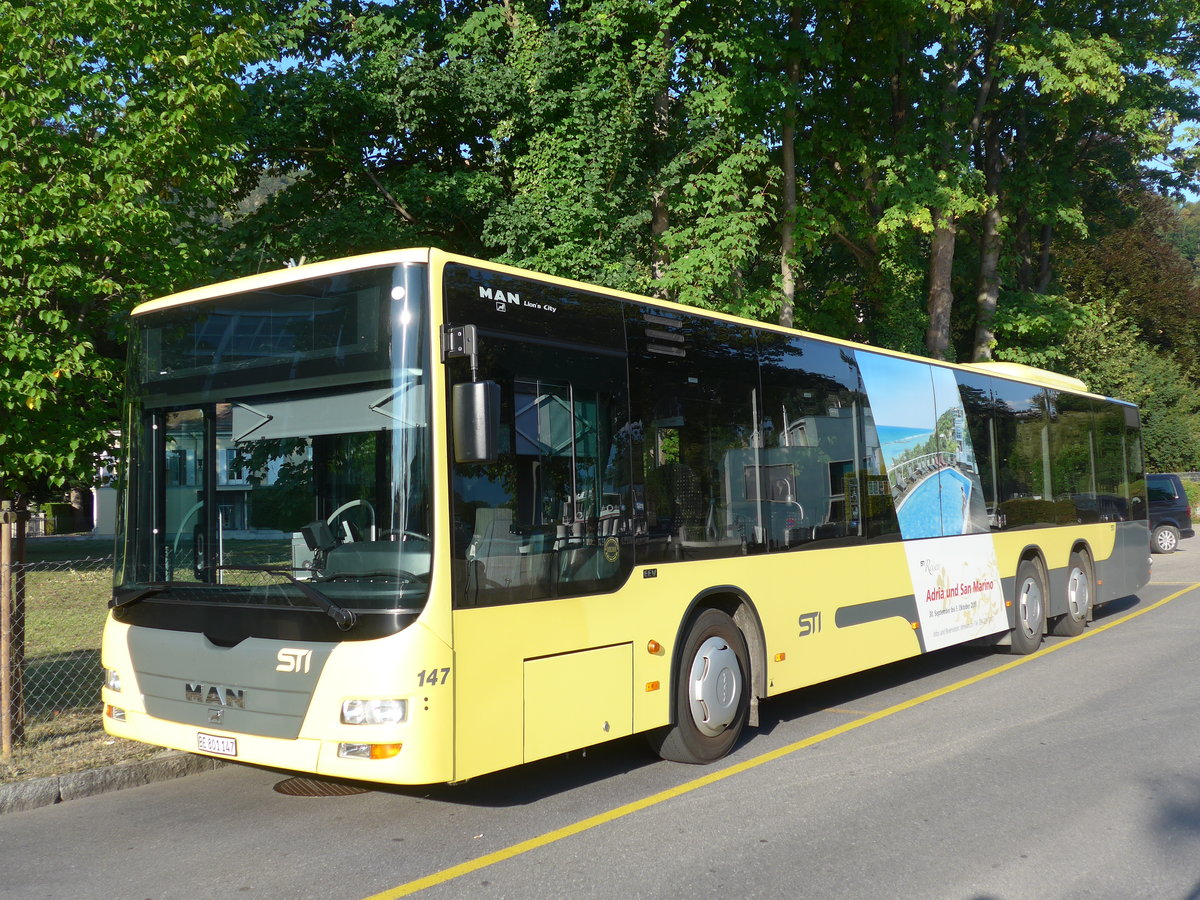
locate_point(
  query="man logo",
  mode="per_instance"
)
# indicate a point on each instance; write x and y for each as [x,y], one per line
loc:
[292,659]
[487,293]
[214,695]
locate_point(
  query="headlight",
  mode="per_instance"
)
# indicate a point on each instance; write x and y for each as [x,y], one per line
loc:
[112,679]
[374,712]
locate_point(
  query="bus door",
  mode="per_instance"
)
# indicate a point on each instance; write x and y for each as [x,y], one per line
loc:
[543,532]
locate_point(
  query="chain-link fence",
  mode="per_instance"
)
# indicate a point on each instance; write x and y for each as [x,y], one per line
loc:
[54,649]
[65,606]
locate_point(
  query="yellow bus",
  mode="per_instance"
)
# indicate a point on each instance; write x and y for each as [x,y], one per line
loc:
[411,517]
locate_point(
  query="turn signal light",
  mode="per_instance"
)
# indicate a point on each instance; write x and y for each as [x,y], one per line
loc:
[368,751]
[654,647]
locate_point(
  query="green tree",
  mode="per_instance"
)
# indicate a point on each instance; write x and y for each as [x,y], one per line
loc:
[115,147]
[1109,354]
[858,168]
[1184,234]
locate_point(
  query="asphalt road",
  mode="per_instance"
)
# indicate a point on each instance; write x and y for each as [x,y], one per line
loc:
[965,774]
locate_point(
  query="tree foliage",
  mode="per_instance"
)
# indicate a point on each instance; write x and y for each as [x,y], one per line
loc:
[115,144]
[857,165]
[958,177]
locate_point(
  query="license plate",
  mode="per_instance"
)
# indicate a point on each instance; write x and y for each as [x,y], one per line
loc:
[210,743]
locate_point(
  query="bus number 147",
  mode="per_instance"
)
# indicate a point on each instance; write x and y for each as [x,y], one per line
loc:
[432,676]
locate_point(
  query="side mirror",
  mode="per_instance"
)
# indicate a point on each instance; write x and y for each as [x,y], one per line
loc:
[475,409]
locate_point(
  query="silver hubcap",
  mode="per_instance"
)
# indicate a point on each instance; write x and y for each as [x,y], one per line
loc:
[1030,600]
[1166,540]
[714,686]
[1078,594]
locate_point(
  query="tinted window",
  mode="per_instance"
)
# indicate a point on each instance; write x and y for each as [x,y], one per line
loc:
[1023,457]
[980,405]
[696,421]
[821,469]
[1160,488]
[324,329]
[507,304]
[1112,482]
[553,516]
[1072,445]
[1135,465]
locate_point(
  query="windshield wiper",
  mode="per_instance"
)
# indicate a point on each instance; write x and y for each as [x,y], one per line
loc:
[138,595]
[345,618]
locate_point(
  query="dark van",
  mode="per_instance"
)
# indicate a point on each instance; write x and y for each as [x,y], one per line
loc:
[1170,515]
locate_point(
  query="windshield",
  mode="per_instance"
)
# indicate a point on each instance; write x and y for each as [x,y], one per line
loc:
[278,449]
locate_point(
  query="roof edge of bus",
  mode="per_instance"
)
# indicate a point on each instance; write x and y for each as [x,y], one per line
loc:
[276,277]
[1032,374]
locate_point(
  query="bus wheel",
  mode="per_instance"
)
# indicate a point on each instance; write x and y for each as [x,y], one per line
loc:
[712,692]
[1031,608]
[1079,597]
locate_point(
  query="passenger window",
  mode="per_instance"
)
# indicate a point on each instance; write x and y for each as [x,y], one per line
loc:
[1135,465]
[980,406]
[1072,457]
[1023,454]
[1112,477]
[1160,489]
[552,517]
[698,436]
[823,474]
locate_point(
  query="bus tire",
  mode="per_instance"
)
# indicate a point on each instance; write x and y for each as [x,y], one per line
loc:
[1030,601]
[712,692]
[1079,597]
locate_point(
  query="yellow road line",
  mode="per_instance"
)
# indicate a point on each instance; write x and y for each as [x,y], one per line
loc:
[550,837]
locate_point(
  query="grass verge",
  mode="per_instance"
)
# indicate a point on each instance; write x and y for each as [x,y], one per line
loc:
[71,741]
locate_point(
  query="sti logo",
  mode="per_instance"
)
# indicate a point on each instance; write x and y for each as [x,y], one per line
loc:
[292,659]
[501,298]
[810,623]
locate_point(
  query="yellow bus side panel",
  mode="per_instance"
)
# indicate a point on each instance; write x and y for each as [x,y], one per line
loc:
[1055,544]
[497,726]
[577,699]
[531,672]
[799,595]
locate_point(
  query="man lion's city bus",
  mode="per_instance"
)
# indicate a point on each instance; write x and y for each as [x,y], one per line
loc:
[411,517]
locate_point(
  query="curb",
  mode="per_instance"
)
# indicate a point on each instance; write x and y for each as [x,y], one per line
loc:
[21,796]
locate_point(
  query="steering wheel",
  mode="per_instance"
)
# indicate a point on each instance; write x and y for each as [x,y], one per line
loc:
[348,529]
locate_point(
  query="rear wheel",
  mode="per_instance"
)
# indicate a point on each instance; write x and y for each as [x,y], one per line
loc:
[1165,539]
[712,692]
[1079,597]
[1030,601]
